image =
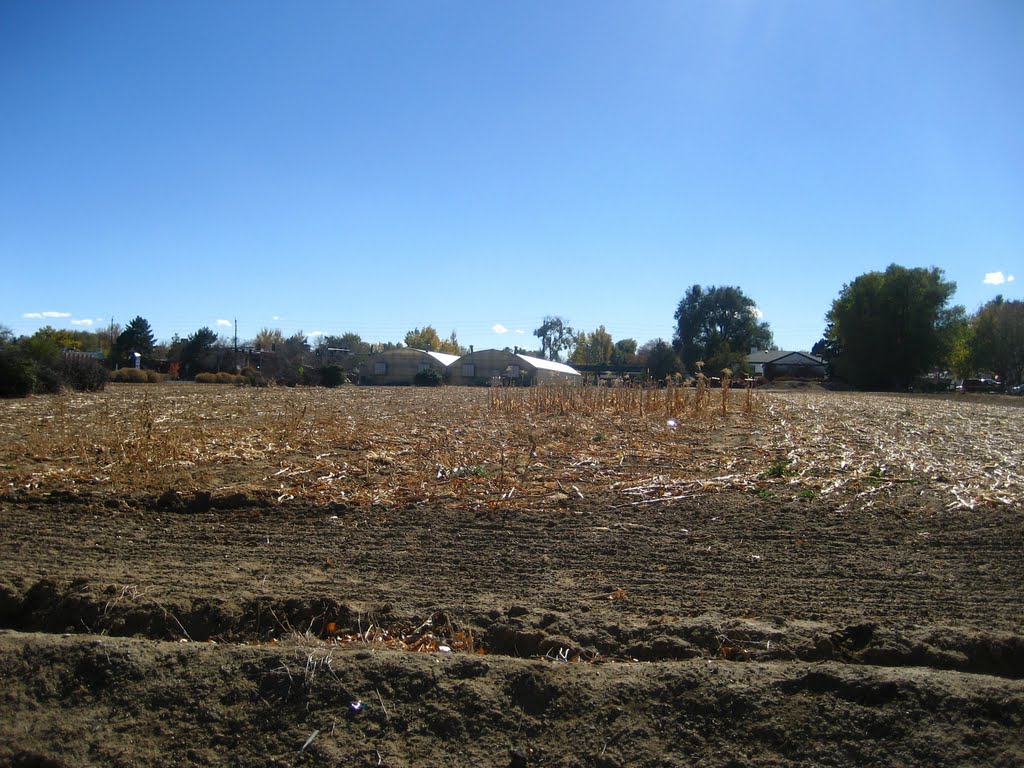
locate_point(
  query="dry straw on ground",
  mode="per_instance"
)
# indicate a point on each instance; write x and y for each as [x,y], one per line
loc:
[537,448]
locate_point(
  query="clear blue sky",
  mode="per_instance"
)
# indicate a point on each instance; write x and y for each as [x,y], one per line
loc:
[375,166]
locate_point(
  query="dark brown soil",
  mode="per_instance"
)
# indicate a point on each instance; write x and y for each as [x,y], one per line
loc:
[724,629]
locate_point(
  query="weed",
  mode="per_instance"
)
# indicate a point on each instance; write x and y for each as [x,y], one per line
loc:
[777,469]
[474,470]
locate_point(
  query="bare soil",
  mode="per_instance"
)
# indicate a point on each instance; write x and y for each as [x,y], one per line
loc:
[790,585]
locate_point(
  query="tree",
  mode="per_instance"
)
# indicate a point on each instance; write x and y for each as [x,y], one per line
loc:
[998,339]
[427,339]
[268,339]
[353,342]
[293,354]
[594,348]
[660,359]
[886,328]
[198,352]
[137,336]
[555,335]
[718,326]
[625,351]
[45,345]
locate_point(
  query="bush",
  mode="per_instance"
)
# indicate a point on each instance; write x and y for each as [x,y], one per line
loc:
[83,373]
[130,376]
[48,380]
[223,377]
[427,378]
[332,375]
[18,374]
[253,378]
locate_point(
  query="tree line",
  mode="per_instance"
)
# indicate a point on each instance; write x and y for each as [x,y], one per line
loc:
[883,330]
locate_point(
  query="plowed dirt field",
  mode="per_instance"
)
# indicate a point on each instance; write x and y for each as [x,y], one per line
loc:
[212,576]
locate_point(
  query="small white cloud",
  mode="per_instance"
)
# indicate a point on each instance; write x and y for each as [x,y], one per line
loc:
[86,322]
[316,333]
[499,328]
[757,313]
[997,278]
[224,323]
[276,317]
[520,331]
[41,315]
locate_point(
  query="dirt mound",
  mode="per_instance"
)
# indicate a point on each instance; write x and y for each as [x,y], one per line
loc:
[120,702]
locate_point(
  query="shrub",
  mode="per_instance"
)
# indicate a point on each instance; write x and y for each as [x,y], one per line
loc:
[48,380]
[83,373]
[223,377]
[427,378]
[332,375]
[130,376]
[253,377]
[18,374]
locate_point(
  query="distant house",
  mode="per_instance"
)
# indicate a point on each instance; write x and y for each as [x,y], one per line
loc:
[495,366]
[400,366]
[773,363]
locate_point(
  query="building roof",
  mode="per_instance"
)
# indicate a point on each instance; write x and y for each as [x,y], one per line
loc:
[549,365]
[766,356]
[443,359]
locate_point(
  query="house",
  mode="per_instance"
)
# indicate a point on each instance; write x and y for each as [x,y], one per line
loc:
[400,366]
[773,363]
[495,366]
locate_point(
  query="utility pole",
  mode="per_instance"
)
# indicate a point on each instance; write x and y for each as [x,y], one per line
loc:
[234,358]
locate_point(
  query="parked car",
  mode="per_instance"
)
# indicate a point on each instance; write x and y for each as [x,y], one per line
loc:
[1017,390]
[982,385]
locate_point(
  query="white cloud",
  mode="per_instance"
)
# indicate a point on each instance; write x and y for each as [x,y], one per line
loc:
[520,331]
[997,278]
[316,333]
[86,322]
[499,328]
[41,315]
[276,317]
[757,313]
[224,323]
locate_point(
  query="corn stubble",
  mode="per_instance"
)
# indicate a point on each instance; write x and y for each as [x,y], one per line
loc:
[541,447]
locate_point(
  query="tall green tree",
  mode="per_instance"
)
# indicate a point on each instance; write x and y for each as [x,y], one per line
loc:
[594,348]
[555,335]
[886,328]
[199,352]
[625,352]
[660,359]
[719,326]
[137,336]
[998,339]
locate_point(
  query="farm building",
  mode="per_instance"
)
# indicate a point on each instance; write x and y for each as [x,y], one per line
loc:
[774,363]
[400,366]
[493,366]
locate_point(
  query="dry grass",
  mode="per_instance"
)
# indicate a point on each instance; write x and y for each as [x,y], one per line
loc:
[541,447]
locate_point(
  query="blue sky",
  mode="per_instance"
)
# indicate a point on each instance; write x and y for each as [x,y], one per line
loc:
[372,167]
